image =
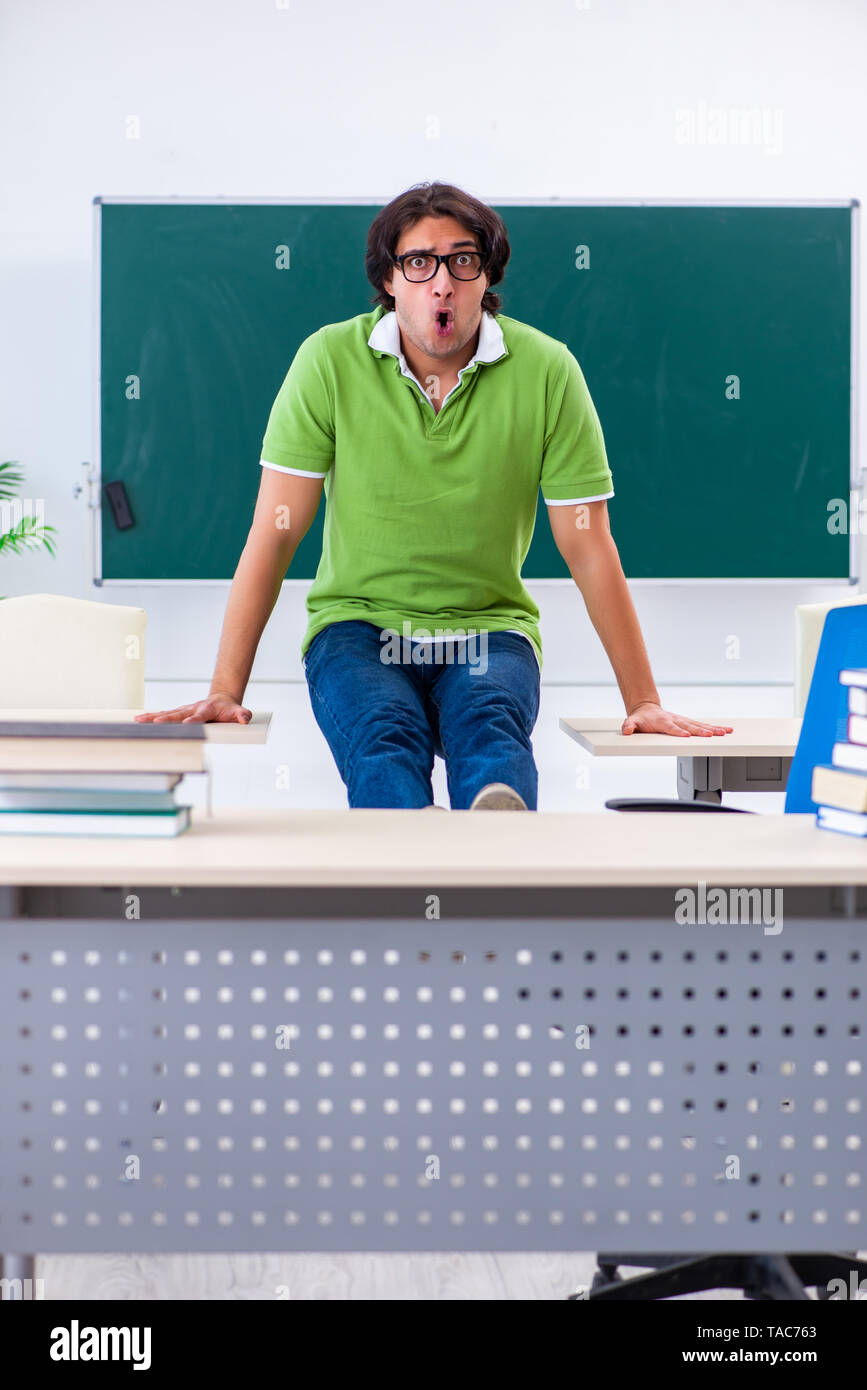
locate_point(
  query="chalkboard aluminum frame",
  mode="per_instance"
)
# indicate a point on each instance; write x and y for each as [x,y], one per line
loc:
[856,485]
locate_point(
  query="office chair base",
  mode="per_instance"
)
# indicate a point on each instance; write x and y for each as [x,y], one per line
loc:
[661,803]
[759,1277]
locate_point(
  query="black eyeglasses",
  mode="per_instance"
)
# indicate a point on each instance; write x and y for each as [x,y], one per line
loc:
[463,265]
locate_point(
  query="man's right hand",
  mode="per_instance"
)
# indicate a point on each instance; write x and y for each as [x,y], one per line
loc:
[219,707]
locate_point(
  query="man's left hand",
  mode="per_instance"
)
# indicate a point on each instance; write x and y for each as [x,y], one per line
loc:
[653,719]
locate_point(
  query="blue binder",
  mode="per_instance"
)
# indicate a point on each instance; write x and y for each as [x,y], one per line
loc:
[844,643]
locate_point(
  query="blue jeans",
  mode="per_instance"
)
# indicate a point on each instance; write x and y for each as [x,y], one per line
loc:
[385,721]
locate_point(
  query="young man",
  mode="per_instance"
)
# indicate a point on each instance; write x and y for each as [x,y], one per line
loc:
[432,422]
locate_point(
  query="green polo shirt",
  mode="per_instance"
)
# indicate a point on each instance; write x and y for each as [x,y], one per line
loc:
[429,516]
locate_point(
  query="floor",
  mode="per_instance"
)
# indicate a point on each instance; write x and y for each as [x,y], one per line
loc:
[295,769]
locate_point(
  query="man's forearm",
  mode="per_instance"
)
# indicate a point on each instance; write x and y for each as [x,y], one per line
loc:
[609,604]
[254,592]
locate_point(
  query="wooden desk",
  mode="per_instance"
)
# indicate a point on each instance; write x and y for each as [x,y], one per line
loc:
[431,974]
[756,756]
[247,849]
[254,732]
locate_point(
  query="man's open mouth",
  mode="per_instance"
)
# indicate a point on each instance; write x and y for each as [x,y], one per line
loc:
[444,322]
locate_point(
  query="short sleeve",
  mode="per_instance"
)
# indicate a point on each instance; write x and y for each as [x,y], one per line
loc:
[574,462]
[300,432]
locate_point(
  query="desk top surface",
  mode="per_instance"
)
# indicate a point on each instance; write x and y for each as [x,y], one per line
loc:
[750,738]
[431,849]
[254,732]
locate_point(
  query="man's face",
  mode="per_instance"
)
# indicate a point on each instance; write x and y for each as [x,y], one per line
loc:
[417,305]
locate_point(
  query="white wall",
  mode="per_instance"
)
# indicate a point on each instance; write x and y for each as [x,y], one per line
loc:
[312,99]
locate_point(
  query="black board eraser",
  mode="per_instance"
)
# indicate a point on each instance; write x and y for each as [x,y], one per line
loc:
[117,499]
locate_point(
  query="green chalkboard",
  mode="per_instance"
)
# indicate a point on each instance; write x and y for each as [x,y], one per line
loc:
[715,341]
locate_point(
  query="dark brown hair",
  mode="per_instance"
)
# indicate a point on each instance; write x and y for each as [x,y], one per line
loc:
[435,200]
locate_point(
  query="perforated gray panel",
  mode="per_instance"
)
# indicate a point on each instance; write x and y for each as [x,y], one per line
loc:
[432,1095]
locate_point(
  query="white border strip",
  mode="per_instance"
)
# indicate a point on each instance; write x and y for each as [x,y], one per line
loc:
[856,482]
[94,493]
[527,579]
[316,199]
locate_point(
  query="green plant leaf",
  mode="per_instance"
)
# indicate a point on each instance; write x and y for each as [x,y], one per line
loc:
[9,480]
[27,535]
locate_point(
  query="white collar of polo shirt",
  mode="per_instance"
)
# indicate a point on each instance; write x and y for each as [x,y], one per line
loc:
[386,338]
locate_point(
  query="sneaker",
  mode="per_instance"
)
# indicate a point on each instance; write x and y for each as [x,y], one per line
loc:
[496,796]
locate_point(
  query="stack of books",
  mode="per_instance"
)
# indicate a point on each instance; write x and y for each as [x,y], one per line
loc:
[81,778]
[840,788]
